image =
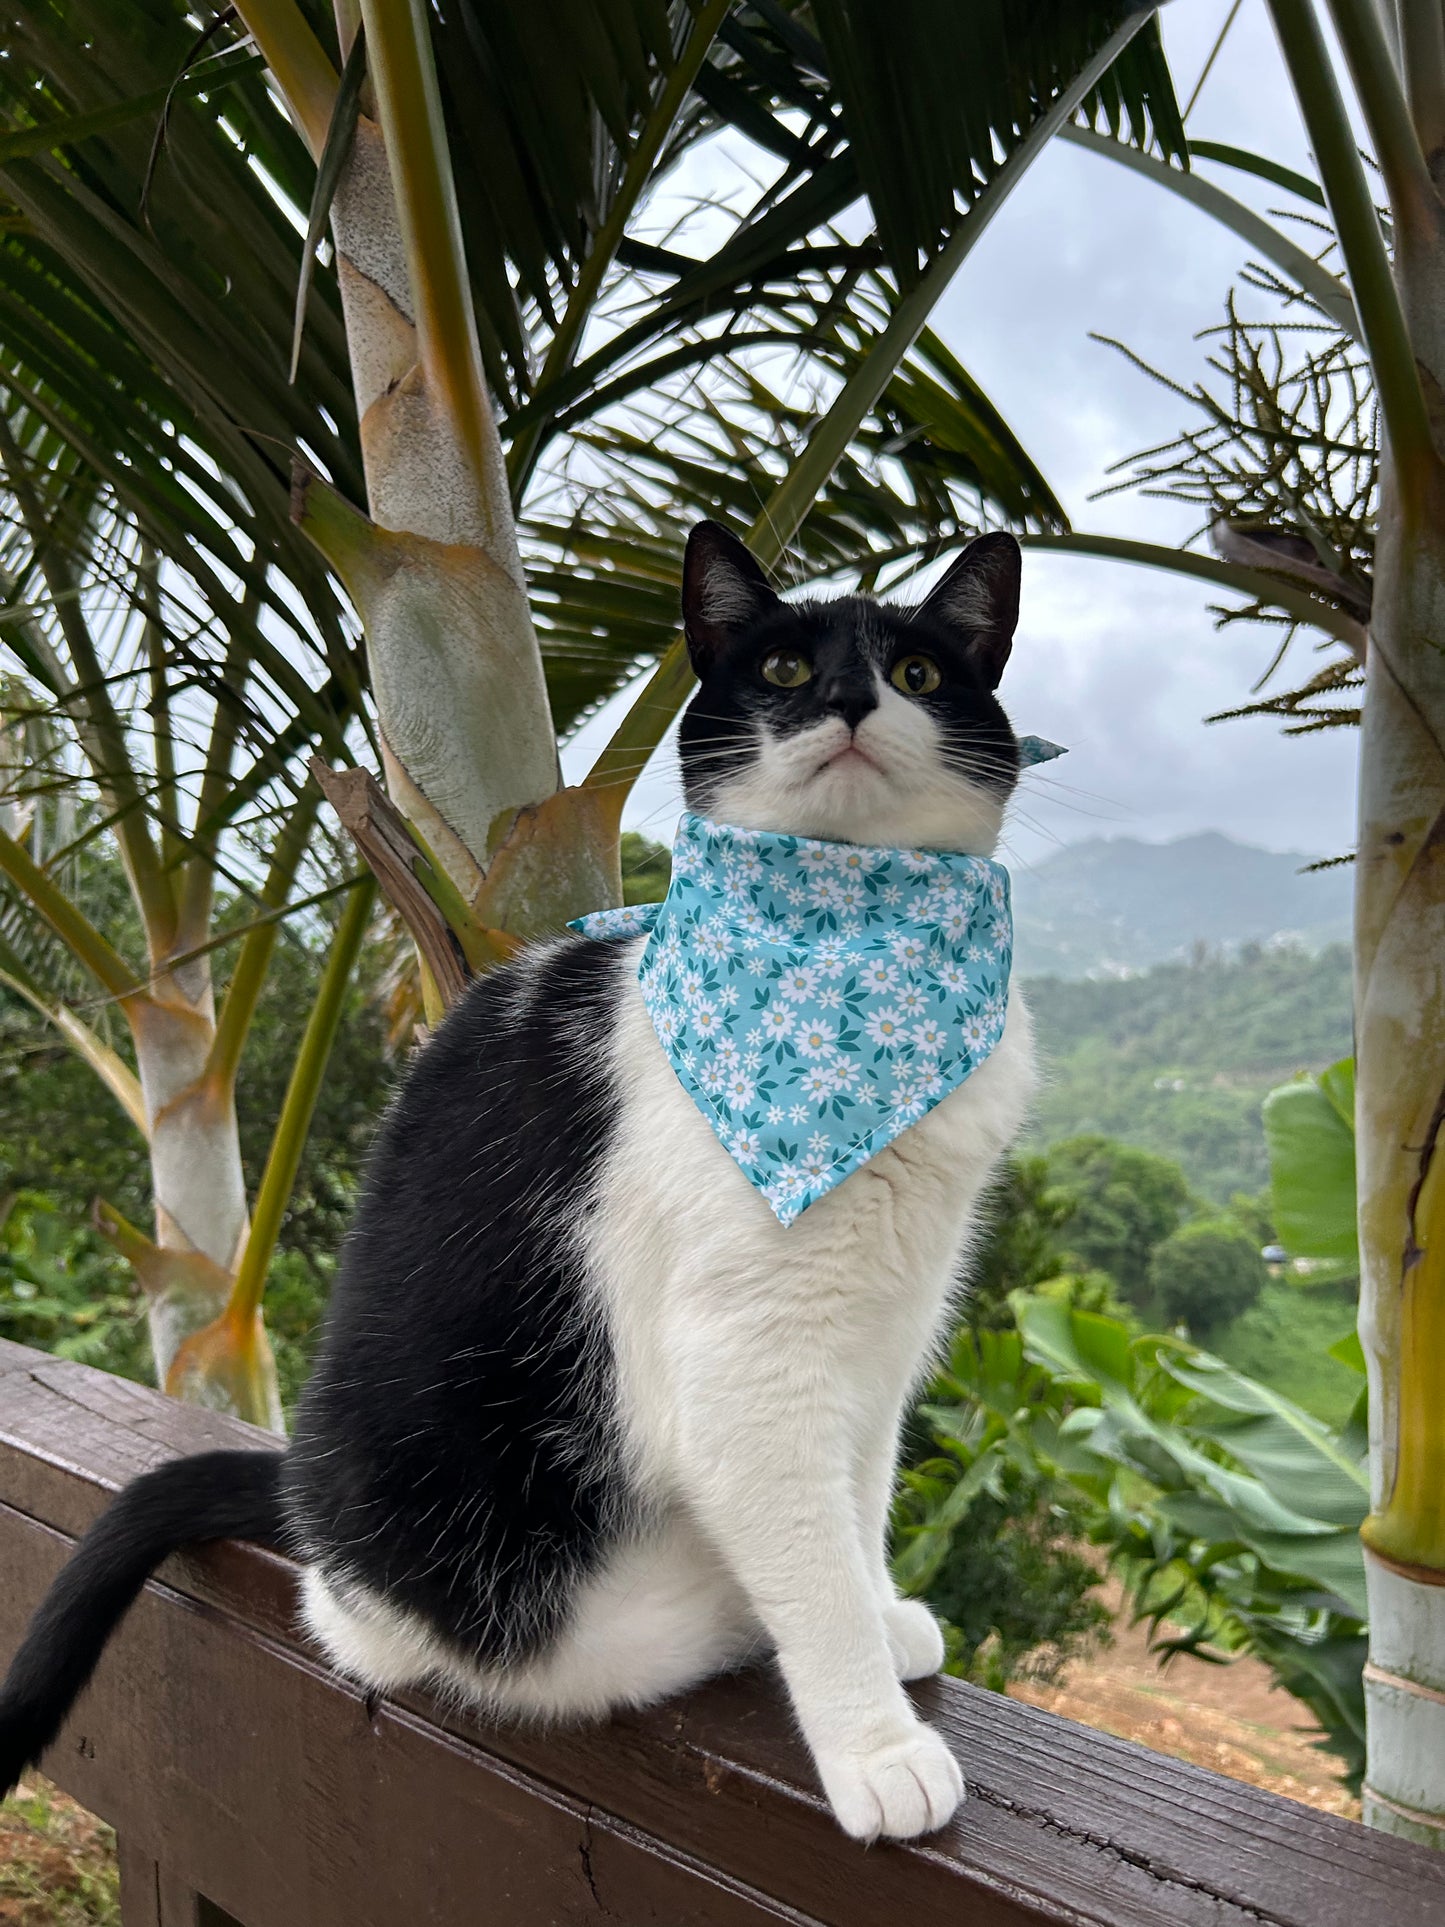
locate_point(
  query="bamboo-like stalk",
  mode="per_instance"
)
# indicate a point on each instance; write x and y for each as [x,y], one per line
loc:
[297,61]
[409,109]
[1399,914]
[98,727]
[1422,36]
[1400,1096]
[623,759]
[70,924]
[1352,208]
[248,979]
[230,1355]
[1386,107]
[278,1180]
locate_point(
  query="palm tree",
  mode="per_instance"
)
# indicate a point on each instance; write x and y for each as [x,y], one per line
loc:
[502,335]
[1326,511]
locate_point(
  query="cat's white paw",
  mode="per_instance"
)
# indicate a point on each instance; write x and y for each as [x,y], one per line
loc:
[911,1786]
[915,1638]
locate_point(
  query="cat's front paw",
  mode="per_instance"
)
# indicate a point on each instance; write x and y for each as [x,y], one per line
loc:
[915,1638]
[911,1786]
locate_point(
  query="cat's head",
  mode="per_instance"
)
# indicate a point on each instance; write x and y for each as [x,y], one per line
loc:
[850,720]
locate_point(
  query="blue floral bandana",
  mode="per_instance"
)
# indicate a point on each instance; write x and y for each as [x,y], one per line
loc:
[815,999]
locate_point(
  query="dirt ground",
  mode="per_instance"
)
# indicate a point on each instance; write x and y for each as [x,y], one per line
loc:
[57,1863]
[1232,1719]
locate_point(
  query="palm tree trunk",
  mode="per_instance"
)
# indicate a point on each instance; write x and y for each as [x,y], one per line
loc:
[1400,1043]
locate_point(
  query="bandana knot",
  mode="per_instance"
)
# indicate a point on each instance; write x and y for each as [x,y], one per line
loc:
[815,999]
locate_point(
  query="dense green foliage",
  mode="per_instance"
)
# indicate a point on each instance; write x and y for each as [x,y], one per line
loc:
[646,869]
[1227,1510]
[64,1143]
[1117,1204]
[63,1290]
[983,1529]
[1286,1339]
[1179,1059]
[1205,1274]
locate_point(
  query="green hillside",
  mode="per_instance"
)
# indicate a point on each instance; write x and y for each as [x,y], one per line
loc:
[1179,1058]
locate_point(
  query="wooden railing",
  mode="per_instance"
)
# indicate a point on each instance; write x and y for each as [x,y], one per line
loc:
[247,1784]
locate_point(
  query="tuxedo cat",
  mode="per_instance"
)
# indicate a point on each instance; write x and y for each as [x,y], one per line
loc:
[588,1423]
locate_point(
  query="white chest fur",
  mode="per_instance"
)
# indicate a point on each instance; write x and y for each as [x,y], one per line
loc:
[690,1257]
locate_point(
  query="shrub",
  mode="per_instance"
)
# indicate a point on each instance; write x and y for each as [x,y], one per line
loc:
[1206,1273]
[1118,1203]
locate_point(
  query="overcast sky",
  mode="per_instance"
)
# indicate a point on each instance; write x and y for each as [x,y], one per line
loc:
[1122,663]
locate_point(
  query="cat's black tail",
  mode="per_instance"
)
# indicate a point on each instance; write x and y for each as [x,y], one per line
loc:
[215,1495]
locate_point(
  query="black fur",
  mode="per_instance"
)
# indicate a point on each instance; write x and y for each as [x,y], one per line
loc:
[457,1447]
[216,1495]
[454,1446]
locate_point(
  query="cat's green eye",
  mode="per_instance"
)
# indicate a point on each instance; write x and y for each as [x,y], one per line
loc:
[915,675]
[786,669]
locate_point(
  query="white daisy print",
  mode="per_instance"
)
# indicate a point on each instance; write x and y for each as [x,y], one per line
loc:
[690,986]
[930,1036]
[886,1028]
[878,976]
[775,1024]
[738,1088]
[817,1083]
[815,1039]
[797,983]
[830,955]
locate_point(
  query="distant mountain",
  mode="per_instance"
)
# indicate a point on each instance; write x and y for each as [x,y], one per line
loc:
[1112,905]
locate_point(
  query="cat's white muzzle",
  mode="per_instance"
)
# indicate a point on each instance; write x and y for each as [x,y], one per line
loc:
[888,781]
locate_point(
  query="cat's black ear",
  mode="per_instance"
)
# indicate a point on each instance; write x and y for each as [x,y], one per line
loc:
[724,592]
[979,599]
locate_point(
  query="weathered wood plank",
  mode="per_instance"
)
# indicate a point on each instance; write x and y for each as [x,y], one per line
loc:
[213,1731]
